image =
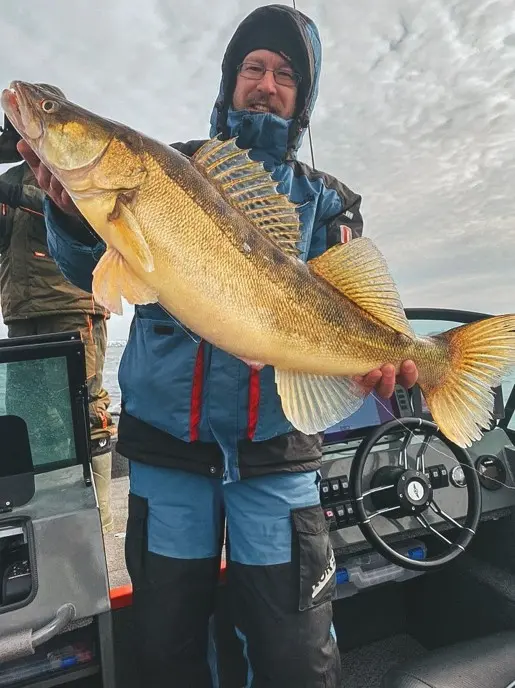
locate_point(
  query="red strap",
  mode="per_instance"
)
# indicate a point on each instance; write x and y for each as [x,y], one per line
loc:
[29,210]
[254,392]
[345,234]
[196,393]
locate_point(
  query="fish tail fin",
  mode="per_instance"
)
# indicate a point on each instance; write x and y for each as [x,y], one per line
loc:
[480,355]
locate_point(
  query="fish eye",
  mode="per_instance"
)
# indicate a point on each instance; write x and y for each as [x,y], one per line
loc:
[49,106]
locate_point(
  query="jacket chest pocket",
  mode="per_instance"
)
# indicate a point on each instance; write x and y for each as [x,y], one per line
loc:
[156,374]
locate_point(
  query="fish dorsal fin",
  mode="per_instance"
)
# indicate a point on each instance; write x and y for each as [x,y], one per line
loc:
[249,188]
[359,271]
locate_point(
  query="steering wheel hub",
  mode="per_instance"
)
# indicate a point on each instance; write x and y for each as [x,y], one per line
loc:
[409,490]
[415,491]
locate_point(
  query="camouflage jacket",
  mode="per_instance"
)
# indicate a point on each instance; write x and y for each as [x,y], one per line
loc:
[31,284]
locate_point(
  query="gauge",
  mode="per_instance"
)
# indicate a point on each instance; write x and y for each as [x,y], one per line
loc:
[458,477]
[491,472]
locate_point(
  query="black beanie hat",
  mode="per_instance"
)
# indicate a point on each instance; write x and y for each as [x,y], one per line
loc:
[273,37]
[279,36]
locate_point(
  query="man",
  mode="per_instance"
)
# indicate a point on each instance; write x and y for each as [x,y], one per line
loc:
[205,433]
[37,299]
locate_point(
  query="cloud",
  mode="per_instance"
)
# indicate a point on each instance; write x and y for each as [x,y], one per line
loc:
[416,113]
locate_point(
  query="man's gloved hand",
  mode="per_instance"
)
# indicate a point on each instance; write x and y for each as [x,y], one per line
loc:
[9,194]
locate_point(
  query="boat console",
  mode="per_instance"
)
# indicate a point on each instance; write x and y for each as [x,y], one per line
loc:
[409,500]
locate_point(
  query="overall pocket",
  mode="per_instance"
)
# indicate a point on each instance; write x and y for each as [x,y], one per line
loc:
[314,554]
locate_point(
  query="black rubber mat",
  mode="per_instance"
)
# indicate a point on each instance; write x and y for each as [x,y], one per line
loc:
[364,667]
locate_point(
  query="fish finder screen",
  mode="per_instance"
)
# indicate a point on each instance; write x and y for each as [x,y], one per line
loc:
[373,412]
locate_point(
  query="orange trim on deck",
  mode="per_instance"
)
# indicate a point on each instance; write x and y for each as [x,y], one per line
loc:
[122,595]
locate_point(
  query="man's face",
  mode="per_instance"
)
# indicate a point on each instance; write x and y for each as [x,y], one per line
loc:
[259,91]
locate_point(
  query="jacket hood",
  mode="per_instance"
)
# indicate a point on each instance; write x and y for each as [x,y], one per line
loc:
[278,139]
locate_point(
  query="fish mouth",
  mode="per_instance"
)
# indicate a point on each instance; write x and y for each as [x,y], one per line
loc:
[10,104]
[16,103]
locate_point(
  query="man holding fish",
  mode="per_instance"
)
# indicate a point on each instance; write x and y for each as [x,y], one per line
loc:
[223,399]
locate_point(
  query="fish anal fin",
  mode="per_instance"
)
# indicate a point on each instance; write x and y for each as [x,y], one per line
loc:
[313,403]
[114,278]
[359,271]
[247,186]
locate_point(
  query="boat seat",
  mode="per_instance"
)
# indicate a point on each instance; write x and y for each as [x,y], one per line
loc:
[487,662]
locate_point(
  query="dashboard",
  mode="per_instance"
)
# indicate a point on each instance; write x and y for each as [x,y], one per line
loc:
[493,457]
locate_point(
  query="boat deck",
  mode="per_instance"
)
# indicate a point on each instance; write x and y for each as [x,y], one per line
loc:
[114,541]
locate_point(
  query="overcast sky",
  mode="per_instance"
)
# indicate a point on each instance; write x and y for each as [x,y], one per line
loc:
[416,113]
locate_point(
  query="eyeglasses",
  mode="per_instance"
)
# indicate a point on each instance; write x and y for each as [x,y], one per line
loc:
[282,75]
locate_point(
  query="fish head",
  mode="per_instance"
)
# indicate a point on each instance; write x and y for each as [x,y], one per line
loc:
[87,153]
[98,161]
[64,136]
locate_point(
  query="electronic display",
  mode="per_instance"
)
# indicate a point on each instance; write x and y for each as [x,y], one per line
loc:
[373,412]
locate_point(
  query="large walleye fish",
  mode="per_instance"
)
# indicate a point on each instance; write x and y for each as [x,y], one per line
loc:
[212,241]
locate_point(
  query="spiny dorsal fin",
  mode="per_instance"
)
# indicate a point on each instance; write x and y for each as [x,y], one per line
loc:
[359,271]
[249,188]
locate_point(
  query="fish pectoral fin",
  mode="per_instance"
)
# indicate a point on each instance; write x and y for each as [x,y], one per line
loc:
[249,188]
[359,271]
[313,403]
[113,278]
[130,240]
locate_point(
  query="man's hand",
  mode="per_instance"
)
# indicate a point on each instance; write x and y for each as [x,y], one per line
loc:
[46,181]
[383,379]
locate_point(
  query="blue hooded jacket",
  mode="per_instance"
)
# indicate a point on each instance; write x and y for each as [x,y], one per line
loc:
[169,379]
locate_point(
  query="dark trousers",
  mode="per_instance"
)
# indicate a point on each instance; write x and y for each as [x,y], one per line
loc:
[280,577]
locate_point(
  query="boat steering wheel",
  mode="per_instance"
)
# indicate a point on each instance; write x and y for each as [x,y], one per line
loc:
[398,491]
